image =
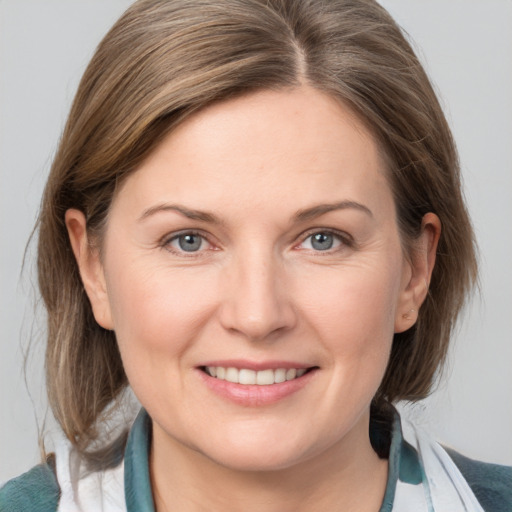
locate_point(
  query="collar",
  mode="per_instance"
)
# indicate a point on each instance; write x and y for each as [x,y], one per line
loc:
[137,484]
[405,471]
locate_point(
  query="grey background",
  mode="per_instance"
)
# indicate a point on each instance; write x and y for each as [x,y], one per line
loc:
[467,49]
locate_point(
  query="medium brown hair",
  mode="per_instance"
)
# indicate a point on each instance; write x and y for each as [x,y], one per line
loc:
[166,59]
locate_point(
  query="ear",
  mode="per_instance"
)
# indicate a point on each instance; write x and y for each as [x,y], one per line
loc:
[416,277]
[90,267]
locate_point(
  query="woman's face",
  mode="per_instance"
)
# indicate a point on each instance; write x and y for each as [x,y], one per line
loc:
[254,276]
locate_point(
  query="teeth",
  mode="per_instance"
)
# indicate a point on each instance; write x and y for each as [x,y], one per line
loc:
[261,378]
[291,374]
[246,376]
[232,375]
[279,375]
[265,377]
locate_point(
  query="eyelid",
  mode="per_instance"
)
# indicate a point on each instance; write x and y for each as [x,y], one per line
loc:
[166,240]
[346,239]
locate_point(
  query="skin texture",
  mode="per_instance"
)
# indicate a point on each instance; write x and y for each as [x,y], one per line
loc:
[259,291]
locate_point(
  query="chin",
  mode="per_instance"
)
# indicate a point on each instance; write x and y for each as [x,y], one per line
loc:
[255,461]
[261,453]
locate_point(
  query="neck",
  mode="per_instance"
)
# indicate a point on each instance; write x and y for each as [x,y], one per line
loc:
[348,476]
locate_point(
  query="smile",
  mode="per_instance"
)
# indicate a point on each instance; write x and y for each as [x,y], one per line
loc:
[253,377]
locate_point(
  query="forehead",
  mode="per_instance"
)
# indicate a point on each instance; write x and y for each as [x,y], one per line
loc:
[266,149]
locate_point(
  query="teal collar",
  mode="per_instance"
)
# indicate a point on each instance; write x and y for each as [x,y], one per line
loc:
[404,464]
[137,484]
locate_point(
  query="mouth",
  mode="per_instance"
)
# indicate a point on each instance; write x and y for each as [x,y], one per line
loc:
[256,384]
[249,377]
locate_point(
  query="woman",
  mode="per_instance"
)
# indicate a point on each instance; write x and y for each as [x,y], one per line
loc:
[254,218]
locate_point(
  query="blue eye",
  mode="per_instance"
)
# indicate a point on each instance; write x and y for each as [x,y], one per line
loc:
[188,242]
[322,241]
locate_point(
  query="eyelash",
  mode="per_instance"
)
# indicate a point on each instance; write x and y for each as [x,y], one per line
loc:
[344,239]
[166,243]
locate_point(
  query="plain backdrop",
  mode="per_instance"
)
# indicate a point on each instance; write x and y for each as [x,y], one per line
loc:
[467,49]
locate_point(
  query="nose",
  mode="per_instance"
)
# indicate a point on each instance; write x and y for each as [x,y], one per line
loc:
[256,302]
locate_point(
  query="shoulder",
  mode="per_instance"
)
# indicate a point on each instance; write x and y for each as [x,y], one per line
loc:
[36,490]
[491,483]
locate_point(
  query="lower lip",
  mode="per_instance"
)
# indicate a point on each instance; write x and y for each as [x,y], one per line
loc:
[255,395]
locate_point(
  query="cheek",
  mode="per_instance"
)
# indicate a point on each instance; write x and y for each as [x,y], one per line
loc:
[353,309]
[156,310]
[352,314]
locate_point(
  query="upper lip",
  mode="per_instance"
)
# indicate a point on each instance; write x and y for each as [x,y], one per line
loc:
[256,365]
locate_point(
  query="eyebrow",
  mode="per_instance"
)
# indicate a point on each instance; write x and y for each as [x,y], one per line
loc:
[186,212]
[300,215]
[321,209]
